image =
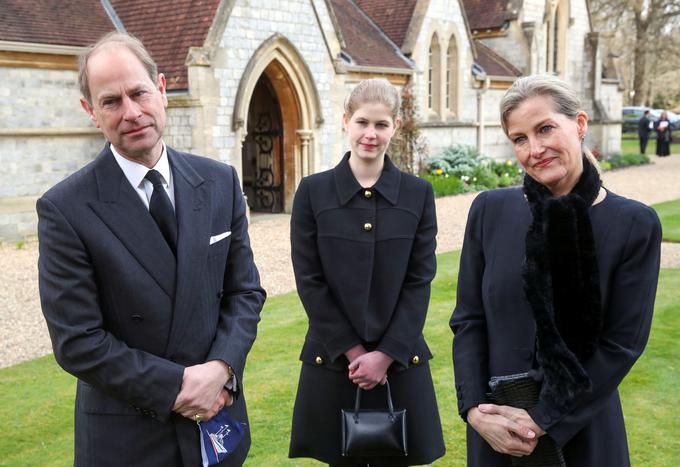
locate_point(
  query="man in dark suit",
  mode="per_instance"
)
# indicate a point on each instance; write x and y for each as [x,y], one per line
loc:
[644,129]
[147,280]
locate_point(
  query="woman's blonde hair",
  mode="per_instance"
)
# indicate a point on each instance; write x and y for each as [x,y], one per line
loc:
[563,96]
[376,90]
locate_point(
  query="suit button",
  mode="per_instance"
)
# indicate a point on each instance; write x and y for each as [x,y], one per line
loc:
[318,361]
[137,318]
[415,360]
[367,194]
[368,226]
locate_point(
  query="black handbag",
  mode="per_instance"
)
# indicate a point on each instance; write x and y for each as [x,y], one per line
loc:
[374,433]
[521,391]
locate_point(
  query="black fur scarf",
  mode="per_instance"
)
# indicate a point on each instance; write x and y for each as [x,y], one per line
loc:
[562,285]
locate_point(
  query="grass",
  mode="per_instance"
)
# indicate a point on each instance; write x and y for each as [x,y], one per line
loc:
[632,146]
[37,402]
[669,213]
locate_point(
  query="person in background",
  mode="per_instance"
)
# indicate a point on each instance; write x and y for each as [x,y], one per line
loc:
[557,278]
[363,250]
[645,127]
[146,276]
[664,137]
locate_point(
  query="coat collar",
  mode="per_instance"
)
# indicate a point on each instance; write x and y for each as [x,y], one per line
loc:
[347,185]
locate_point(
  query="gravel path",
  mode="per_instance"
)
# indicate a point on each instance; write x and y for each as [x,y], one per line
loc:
[23,334]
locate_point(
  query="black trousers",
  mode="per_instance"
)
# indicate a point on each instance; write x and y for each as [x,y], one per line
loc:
[643,144]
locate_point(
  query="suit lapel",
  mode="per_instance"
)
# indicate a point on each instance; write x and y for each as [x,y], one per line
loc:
[120,208]
[192,203]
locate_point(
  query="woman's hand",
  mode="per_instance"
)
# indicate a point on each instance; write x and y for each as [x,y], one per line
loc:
[503,434]
[370,369]
[519,416]
[355,352]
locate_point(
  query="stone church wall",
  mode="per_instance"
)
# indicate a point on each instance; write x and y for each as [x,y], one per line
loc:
[44,136]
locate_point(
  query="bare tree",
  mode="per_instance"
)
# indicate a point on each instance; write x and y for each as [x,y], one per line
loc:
[642,32]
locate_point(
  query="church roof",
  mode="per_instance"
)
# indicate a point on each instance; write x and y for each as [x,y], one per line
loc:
[489,14]
[74,23]
[365,42]
[168,29]
[392,16]
[493,63]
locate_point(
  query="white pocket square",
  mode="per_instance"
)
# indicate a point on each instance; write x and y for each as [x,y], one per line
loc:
[217,238]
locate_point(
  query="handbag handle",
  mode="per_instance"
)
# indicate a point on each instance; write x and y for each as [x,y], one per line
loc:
[357,403]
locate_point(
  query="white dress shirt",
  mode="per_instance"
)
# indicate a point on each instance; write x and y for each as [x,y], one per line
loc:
[135,173]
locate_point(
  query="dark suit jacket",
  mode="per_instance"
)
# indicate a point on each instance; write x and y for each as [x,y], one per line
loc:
[643,127]
[126,317]
[495,331]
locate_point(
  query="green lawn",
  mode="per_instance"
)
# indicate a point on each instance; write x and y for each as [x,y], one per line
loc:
[669,213]
[632,146]
[37,397]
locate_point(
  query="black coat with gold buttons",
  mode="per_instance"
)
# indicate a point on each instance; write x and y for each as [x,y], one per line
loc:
[363,259]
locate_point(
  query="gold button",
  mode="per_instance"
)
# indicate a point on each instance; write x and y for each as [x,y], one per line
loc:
[319,360]
[367,194]
[368,227]
[415,360]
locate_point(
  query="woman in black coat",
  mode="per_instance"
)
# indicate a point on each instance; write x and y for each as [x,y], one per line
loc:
[664,137]
[363,249]
[557,279]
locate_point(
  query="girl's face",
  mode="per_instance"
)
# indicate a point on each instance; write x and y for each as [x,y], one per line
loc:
[548,143]
[370,129]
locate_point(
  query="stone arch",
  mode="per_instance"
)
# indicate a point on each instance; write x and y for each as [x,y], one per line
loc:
[453,78]
[279,60]
[434,77]
[557,24]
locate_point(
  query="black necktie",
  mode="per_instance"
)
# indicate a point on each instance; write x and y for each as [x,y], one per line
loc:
[161,209]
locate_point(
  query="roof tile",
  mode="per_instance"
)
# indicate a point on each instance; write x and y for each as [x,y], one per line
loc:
[488,14]
[55,22]
[392,16]
[168,30]
[366,44]
[493,63]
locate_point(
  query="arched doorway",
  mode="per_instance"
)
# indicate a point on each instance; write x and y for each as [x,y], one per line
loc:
[277,83]
[262,151]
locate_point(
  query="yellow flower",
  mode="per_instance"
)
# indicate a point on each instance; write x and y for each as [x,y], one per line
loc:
[508,162]
[440,171]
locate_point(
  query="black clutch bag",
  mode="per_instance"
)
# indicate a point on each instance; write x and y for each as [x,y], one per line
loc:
[374,433]
[522,391]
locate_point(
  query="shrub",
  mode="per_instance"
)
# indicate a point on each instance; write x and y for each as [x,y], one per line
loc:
[459,160]
[624,160]
[408,145]
[444,185]
[462,168]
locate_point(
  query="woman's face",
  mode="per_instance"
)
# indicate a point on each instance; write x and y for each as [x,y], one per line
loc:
[370,129]
[548,143]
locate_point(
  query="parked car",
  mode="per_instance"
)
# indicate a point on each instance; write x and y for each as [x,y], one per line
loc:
[632,114]
[673,118]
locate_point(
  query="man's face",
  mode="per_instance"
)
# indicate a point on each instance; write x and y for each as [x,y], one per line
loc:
[126,104]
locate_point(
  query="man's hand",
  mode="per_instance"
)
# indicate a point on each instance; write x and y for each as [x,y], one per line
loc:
[503,434]
[370,369]
[202,392]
